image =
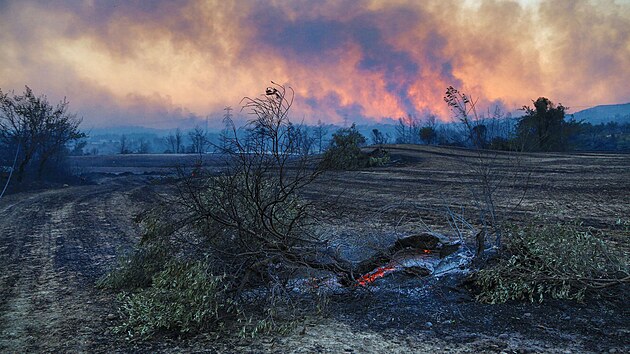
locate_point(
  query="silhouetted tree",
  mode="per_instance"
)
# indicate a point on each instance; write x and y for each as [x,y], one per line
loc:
[428,135]
[77,149]
[319,133]
[294,134]
[543,127]
[175,141]
[478,135]
[37,128]
[303,139]
[609,136]
[199,140]
[378,138]
[408,130]
[143,146]
[124,145]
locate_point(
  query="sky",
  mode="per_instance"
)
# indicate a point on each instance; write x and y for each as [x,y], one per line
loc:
[164,63]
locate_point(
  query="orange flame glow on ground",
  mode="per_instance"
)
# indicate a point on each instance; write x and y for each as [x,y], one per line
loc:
[376,274]
[380,272]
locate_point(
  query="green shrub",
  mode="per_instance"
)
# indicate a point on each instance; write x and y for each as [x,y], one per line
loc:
[184,297]
[136,269]
[378,157]
[345,152]
[550,261]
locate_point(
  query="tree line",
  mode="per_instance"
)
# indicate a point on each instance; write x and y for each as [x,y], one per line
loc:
[543,127]
[37,134]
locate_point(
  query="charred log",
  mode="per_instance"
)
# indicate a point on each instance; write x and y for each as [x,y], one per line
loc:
[424,244]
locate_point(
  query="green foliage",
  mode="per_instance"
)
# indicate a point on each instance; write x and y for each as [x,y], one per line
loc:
[184,297]
[137,268]
[134,270]
[345,152]
[378,161]
[251,327]
[378,157]
[550,261]
[163,293]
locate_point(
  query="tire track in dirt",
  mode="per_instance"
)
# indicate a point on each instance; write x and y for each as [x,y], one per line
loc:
[55,245]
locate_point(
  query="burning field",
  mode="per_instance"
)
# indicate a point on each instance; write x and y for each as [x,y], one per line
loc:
[395,224]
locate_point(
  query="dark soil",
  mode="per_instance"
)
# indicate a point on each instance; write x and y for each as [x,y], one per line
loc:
[55,244]
[445,310]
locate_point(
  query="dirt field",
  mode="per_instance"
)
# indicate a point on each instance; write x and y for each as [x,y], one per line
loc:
[55,244]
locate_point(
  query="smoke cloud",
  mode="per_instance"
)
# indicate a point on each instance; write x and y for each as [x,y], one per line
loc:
[158,63]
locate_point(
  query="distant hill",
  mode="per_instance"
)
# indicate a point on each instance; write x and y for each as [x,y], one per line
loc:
[619,113]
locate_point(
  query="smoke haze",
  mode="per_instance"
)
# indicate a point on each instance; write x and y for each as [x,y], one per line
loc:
[157,63]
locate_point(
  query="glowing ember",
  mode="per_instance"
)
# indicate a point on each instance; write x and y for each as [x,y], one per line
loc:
[418,261]
[392,267]
[376,274]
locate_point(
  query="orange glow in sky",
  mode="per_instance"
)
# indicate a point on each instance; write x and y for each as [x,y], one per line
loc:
[162,62]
